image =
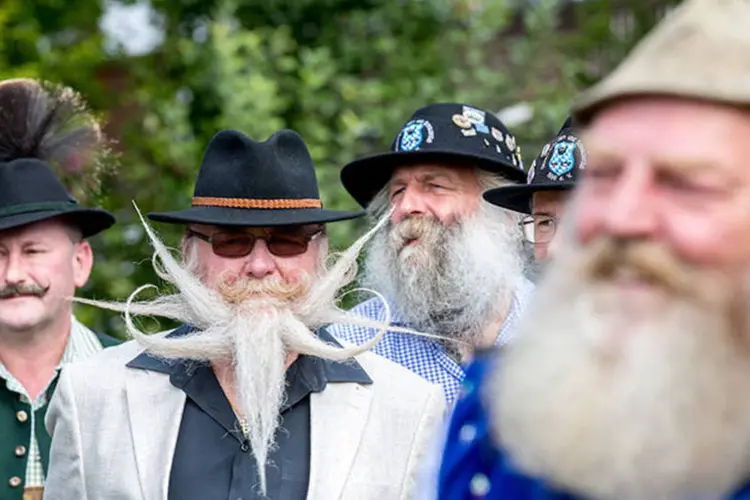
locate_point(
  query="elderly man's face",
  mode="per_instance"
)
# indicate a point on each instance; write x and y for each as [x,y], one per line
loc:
[645,322]
[443,192]
[264,260]
[41,265]
[447,261]
[671,172]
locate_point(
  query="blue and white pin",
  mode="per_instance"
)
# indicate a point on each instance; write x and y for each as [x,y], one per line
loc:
[475,116]
[414,134]
[563,155]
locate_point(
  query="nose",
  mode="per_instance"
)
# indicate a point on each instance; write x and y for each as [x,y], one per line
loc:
[631,211]
[260,262]
[14,271]
[410,203]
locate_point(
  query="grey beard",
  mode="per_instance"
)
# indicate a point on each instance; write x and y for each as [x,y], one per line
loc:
[455,281]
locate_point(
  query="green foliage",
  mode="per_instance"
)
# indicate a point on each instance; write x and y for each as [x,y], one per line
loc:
[345,74]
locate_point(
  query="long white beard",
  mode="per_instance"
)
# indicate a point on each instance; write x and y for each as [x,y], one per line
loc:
[251,325]
[456,278]
[617,404]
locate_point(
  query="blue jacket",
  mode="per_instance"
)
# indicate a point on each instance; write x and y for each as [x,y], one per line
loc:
[473,468]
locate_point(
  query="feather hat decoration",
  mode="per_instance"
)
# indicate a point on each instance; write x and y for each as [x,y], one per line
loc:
[53,123]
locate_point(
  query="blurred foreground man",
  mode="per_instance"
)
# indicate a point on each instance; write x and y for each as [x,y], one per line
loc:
[447,262]
[632,380]
[250,398]
[44,258]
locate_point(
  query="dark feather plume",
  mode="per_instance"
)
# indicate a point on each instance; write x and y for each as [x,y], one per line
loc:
[52,122]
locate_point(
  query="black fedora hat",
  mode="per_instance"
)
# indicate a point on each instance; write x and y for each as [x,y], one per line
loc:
[31,192]
[243,182]
[445,133]
[555,169]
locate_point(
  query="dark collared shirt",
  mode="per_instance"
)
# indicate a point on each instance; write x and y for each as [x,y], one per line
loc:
[212,459]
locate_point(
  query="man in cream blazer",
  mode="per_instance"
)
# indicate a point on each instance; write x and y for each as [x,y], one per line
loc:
[250,398]
[114,435]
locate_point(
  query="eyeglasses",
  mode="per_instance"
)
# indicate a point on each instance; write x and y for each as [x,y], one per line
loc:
[282,242]
[539,228]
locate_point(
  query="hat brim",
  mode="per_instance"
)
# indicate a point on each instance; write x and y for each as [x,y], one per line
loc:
[364,177]
[90,221]
[244,217]
[518,198]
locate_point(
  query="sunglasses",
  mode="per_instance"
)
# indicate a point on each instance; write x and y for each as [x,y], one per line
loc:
[283,242]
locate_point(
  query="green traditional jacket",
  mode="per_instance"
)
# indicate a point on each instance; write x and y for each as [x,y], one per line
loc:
[17,416]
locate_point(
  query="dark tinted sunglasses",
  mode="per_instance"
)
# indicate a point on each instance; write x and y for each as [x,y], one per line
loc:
[282,242]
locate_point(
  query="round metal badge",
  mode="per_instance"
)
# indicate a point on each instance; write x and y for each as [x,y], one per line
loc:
[497,135]
[461,120]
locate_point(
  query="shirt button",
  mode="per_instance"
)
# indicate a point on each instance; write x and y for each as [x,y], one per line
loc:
[20,451]
[479,485]
[15,482]
[467,433]
[22,416]
[467,388]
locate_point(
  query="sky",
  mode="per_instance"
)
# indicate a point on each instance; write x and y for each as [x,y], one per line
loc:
[132,28]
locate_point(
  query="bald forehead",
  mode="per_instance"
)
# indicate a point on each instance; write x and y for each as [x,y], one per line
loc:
[672,134]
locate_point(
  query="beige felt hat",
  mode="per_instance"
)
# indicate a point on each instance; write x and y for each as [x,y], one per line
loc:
[701,50]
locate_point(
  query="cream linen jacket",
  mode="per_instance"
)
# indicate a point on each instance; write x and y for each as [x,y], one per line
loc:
[114,431]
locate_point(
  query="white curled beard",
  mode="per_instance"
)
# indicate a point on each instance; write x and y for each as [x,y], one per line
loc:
[251,326]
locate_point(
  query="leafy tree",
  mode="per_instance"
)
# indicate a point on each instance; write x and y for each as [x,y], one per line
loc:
[344,73]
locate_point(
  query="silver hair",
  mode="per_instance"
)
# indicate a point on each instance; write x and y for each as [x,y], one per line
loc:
[458,278]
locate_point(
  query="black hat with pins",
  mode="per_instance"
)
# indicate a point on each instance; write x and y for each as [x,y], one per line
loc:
[243,182]
[439,133]
[41,126]
[556,169]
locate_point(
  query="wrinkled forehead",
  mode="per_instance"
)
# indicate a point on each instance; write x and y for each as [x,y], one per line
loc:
[39,232]
[671,134]
[456,173]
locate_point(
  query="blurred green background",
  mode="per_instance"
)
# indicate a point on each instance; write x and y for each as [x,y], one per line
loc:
[346,74]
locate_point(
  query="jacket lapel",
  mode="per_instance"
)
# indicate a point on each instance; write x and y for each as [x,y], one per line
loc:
[155,409]
[337,420]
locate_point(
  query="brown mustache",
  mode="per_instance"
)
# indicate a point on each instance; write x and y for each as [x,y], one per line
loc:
[645,260]
[421,228]
[21,289]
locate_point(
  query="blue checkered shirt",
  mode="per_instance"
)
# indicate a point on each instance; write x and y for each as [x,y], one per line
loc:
[424,356]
